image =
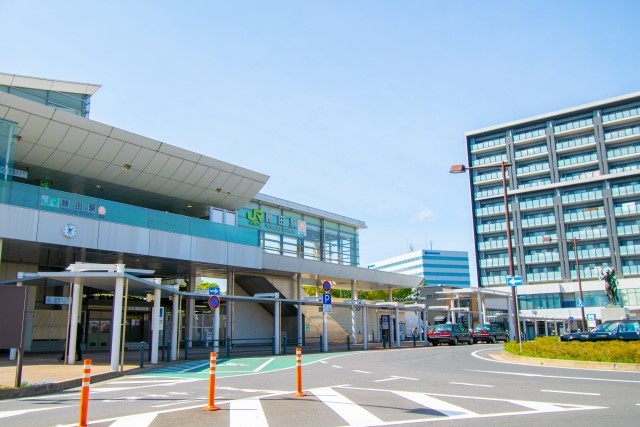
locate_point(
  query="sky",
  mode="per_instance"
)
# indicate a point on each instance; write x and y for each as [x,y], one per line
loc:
[356,107]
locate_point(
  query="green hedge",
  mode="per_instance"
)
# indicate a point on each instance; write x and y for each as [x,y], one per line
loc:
[553,348]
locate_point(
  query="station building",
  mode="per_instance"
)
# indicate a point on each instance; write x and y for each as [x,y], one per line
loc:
[110,228]
[573,186]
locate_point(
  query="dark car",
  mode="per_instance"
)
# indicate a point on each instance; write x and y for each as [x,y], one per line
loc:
[624,330]
[449,333]
[488,332]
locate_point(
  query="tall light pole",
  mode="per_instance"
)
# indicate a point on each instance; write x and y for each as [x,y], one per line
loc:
[503,169]
[577,261]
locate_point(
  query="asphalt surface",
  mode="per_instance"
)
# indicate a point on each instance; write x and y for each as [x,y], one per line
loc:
[463,385]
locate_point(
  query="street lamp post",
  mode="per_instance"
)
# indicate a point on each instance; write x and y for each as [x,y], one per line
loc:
[577,261]
[514,295]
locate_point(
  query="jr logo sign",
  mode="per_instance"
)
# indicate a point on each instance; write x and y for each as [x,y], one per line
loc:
[255,217]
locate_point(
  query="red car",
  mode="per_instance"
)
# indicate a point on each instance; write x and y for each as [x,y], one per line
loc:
[490,333]
[450,333]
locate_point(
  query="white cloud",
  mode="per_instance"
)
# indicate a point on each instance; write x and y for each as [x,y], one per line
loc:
[424,214]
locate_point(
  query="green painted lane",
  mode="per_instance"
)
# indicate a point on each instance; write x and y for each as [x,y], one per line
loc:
[199,369]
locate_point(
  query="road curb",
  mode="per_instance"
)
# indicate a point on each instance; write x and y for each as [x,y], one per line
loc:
[561,363]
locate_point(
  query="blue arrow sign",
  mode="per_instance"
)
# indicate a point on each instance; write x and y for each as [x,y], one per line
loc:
[214,291]
[326,299]
[514,280]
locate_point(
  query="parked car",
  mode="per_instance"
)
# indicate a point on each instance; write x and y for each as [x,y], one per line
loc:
[490,333]
[450,333]
[625,330]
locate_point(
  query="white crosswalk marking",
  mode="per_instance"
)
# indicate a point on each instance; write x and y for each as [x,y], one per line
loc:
[353,414]
[141,420]
[538,406]
[441,406]
[247,413]
[7,414]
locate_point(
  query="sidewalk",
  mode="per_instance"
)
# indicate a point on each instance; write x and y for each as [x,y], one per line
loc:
[45,374]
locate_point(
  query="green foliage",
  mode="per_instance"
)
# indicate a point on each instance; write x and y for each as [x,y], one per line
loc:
[310,290]
[553,348]
[379,295]
[207,285]
[407,294]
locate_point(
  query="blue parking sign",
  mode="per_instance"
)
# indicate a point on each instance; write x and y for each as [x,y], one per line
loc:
[326,299]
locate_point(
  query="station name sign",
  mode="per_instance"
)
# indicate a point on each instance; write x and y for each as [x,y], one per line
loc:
[275,223]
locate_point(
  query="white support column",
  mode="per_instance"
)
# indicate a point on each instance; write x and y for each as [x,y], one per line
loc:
[276,326]
[190,317]
[76,305]
[230,307]
[216,330]
[300,325]
[365,329]
[116,323]
[353,312]
[397,331]
[155,337]
[13,352]
[546,327]
[425,324]
[175,319]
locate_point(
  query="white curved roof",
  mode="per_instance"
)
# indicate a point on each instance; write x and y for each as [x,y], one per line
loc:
[65,148]
[48,84]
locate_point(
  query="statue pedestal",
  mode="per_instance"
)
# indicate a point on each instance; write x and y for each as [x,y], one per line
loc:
[614,313]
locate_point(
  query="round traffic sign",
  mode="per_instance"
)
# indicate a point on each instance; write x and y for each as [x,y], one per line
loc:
[214,302]
[326,286]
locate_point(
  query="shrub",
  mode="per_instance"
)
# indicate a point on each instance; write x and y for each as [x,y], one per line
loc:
[553,348]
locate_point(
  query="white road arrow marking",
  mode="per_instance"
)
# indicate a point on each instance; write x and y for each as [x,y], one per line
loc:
[140,420]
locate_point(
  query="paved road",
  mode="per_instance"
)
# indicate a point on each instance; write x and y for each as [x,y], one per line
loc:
[458,385]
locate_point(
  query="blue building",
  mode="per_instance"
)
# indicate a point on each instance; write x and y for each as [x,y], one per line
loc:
[437,268]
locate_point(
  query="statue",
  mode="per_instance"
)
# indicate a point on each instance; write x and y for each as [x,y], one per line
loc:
[611,285]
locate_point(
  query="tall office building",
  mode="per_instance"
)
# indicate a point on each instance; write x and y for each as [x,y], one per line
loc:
[573,180]
[443,268]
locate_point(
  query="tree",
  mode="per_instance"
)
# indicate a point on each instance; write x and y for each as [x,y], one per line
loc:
[207,285]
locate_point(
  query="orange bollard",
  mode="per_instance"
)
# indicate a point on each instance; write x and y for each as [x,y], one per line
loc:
[84,393]
[212,383]
[299,393]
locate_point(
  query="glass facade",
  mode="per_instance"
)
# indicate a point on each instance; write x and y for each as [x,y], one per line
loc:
[287,232]
[8,131]
[574,175]
[74,103]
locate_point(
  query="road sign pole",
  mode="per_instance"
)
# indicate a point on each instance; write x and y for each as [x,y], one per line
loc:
[325,341]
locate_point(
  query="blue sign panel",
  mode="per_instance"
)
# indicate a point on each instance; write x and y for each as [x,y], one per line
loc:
[514,280]
[326,299]
[214,291]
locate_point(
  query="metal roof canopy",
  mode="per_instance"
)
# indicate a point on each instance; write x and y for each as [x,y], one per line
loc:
[102,280]
[77,154]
